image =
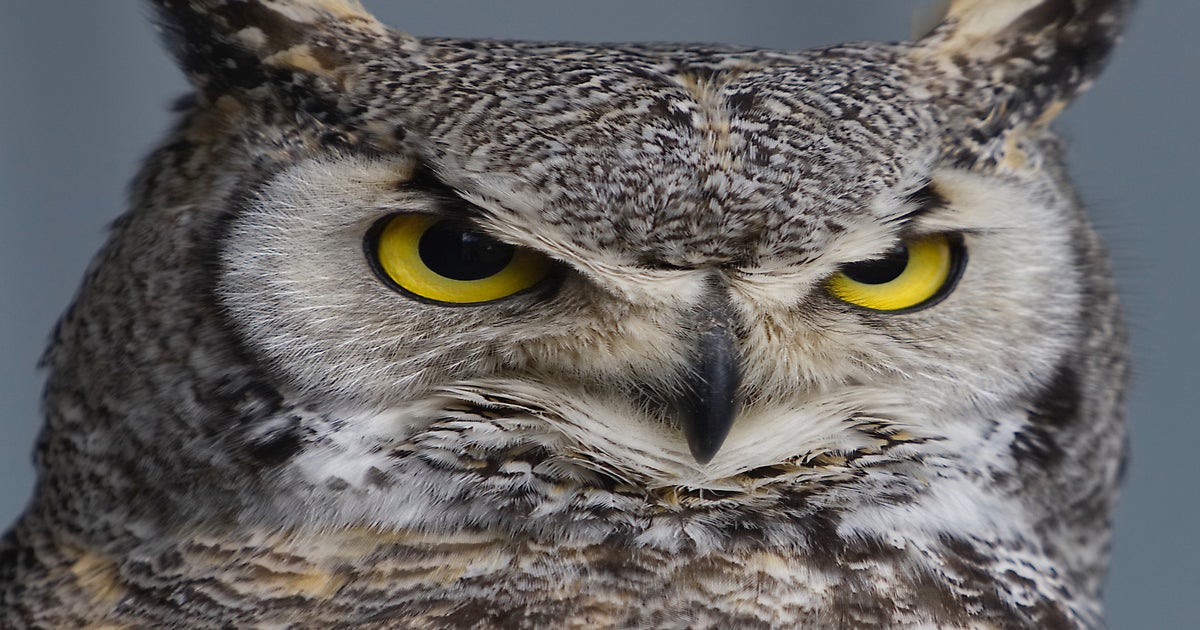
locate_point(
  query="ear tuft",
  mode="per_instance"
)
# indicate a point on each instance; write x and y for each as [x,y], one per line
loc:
[1018,62]
[239,45]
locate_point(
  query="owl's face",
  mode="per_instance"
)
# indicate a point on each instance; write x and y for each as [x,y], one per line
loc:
[666,291]
[585,269]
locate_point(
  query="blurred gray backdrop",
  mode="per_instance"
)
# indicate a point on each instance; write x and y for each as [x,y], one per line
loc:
[84,92]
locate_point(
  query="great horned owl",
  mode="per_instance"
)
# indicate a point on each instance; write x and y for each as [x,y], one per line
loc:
[425,333]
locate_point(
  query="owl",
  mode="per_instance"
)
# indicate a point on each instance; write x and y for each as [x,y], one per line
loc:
[430,333]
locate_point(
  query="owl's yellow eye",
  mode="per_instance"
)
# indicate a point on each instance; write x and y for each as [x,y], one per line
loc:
[445,261]
[916,273]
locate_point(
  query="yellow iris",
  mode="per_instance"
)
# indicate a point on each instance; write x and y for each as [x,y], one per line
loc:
[909,276]
[444,261]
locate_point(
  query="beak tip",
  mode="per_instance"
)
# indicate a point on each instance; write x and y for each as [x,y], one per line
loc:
[704,448]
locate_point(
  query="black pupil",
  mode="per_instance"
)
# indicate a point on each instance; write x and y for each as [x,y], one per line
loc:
[879,271]
[453,252]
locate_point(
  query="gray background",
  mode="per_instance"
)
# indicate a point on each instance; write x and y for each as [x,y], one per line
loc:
[84,89]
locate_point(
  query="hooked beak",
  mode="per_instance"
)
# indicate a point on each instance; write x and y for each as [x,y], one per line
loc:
[711,403]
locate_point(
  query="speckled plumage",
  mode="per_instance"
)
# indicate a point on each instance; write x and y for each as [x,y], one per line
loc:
[246,428]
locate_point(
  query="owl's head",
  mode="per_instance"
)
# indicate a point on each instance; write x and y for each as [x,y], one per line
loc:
[664,290]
